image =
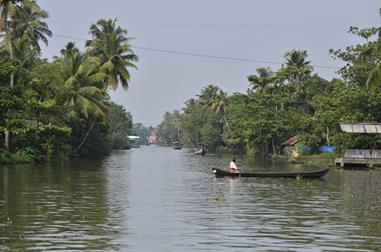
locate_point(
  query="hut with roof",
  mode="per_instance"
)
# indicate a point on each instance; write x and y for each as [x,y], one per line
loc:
[368,157]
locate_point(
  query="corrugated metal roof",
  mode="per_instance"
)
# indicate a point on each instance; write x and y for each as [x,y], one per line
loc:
[370,128]
[292,141]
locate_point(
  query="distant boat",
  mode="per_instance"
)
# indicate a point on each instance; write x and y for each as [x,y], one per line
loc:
[201,152]
[177,146]
[197,152]
[306,175]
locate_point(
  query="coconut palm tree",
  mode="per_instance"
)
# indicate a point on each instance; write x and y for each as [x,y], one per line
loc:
[25,55]
[374,78]
[299,66]
[28,22]
[19,19]
[261,81]
[297,58]
[208,95]
[111,44]
[219,106]
[213,97]
[84,93]
[189,105]
[7,12]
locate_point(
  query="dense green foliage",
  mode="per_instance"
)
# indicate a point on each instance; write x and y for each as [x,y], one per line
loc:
[289,101]
[60,108]
[120,126]
[169,130]
[142,132]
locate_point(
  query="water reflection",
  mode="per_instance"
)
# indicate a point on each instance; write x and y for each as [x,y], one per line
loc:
[53,200]
[158,199]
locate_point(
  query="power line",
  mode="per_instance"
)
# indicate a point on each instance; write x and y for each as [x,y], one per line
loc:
[136,23]
[203,55]
[202,1]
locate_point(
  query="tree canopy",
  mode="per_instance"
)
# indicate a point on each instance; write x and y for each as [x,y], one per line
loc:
[62,107]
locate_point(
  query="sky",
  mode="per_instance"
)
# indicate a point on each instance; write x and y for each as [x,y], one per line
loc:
[242,35]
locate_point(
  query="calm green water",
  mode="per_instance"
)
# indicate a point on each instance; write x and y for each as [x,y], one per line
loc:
[159,199]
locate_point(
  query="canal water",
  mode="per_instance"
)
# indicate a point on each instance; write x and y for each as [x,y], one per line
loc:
[159,199]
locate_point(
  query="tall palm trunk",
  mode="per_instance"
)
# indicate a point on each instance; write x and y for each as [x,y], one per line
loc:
[11,83]
[6,139]
[11,54]
[228,126]
[12,78]
[85,137]
[273,145]
[10,48]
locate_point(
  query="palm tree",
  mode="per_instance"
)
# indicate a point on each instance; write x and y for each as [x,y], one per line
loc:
[7,12]
[29,23]
[208,95]
[84,86]
[23,53]
[259,82]
[189,105]
[111,44]
[374,77]
[297,58]
[213,97]
[296,61]
[20,19]
[219,106]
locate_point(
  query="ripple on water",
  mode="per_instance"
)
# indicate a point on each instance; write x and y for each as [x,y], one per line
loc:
[157,199]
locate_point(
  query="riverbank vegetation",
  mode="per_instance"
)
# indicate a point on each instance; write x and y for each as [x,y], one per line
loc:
[290,101]
[61,107]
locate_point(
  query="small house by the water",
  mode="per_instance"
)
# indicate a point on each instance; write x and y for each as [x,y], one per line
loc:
[152,139]
[368,157]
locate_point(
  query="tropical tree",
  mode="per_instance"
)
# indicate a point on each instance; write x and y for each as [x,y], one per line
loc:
[120,126]
[170,129]
[258,83]
[83,83]
[7,10]
[7,13]
[28,22]
[374,78]
[208,95]
[142,132]
[111,44]
[27,16]
[216,99]
[360,59]
[297,58]
[219,106]
[298,65]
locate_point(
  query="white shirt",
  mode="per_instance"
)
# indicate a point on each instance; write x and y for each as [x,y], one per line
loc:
[233,166]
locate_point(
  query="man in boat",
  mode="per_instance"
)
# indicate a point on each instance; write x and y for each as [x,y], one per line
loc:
[233,167]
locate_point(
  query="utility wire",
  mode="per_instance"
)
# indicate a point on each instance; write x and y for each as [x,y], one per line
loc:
[201,55]
[253,2]
[135,23]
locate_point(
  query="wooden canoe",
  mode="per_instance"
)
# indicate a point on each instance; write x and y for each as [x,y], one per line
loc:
[307,175]
[200,152]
